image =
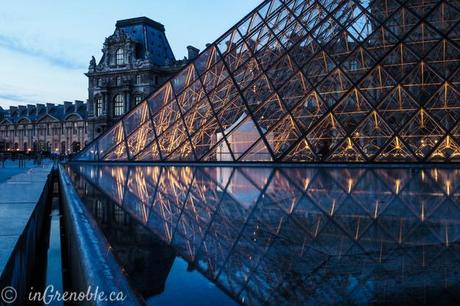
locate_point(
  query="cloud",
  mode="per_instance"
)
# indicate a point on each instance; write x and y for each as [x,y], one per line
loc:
[16,45]
[19,98]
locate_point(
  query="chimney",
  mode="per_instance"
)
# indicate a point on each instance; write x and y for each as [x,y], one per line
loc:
[13,111]
[79,105]
[192,52]
[31,109]
[22,110]
[67,107]
[49,106]
[40,108]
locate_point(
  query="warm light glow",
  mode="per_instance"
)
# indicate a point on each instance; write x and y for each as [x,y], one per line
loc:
[350,145]
[448,187]
[378,101]
[397,185]
[398,145]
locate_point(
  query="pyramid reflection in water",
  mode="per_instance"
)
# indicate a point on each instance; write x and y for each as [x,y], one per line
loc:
[306,81]
[300,236]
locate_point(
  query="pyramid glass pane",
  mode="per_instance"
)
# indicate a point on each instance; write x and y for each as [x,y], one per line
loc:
[292,235]
[308,81]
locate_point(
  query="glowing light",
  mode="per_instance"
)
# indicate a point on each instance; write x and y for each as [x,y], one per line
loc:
[333,207]
[350,145]
[306,183]
[398,144]
[397,185]
[376,209]
[422,214]
[376,122]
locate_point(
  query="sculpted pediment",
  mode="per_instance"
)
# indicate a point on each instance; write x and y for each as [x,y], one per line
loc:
[47,118]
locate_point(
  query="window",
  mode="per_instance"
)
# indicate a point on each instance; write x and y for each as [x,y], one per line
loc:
[119,107]
[99,82]
[98,107]
[138,99]
[138,79]
[118,81]
[120,56]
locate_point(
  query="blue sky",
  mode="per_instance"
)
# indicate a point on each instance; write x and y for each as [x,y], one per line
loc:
[45,46]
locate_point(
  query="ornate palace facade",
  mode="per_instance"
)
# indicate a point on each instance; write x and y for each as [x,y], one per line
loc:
[135,60]
[48,128]
[308,81]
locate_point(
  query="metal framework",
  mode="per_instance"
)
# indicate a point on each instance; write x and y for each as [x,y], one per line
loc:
[289,236]
[309,81]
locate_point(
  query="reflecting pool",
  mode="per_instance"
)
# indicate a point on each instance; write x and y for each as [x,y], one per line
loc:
[284,235]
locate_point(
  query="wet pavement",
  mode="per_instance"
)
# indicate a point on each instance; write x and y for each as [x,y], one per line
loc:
[20,191]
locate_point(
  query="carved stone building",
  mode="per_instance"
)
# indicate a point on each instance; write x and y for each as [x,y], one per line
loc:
[135,60]
[47,128]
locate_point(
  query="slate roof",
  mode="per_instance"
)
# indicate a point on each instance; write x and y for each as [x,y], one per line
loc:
[150,35]
[35,113]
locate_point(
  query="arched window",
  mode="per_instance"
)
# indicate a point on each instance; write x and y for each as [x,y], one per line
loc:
[138,79]
[119,107]
[120,56]
[98,107]
[138,99]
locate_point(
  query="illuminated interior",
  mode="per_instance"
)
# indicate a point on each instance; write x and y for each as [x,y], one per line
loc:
[308,81]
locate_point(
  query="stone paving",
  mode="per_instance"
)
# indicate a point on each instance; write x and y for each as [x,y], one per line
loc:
[10,168]
[20,190]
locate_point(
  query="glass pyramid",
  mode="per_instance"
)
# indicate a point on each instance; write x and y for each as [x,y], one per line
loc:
[296,235]
[308,81]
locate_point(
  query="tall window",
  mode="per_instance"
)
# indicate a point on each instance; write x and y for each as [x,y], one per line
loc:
[138,99]
[98,107]
[120,56]
[119,105]
[138,79]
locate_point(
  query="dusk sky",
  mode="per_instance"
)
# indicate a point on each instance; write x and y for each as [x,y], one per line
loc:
[46,46]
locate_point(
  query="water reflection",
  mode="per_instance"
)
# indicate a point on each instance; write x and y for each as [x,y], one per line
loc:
[301,235]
